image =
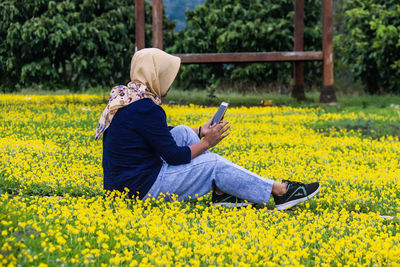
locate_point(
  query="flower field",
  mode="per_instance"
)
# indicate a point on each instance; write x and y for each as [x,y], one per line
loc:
[54,212]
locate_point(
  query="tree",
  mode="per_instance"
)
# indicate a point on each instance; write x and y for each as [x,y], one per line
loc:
[244,26]
[75,44]
[370,43]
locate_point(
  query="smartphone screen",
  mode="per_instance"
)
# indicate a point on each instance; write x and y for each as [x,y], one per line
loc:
[220,113]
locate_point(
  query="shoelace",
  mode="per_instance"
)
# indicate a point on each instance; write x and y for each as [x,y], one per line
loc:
[292,183]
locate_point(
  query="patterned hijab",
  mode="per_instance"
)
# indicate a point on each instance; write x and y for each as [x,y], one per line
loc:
[152,73]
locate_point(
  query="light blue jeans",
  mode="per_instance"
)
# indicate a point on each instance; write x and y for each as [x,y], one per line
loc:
[196,178]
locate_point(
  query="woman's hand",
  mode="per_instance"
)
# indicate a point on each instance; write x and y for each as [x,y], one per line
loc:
[215,133]
[212,135]
[206,127]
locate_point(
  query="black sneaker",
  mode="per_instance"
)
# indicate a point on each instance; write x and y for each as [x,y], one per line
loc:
[228,200]
[296,193]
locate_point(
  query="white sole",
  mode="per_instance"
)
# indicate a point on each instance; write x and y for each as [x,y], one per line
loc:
[295,202]
[233,205]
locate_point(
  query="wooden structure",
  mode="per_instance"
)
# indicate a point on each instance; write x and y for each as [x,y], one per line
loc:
[298,56]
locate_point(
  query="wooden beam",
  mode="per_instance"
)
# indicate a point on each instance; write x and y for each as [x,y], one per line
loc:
[139,13]
[298,67]
[250,57]
[157,24]
[327,92]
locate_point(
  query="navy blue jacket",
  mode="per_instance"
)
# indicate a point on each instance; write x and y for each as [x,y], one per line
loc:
[133,146]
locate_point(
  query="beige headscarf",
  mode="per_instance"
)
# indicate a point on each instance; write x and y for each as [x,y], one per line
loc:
[155,69]
[152,73]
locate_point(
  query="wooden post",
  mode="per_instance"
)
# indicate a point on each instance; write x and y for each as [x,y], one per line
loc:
[298,67]
[157,24]
[327,90]
[139,13]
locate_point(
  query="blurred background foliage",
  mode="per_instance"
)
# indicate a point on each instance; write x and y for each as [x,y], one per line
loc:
[78,44]
[369,43]
[245,26]
[74,44]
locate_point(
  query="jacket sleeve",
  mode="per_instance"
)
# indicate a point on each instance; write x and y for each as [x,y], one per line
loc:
[156,132]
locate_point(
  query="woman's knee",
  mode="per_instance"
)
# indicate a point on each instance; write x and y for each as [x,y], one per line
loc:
[184,135]
[182,128]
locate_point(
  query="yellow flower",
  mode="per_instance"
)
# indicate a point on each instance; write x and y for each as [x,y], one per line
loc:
[48,156]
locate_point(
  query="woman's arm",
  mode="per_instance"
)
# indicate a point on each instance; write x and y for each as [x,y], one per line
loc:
[155,131]
[198,148]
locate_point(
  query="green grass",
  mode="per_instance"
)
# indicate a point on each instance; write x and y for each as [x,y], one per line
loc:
[234,98]
[366,127]
[352,102]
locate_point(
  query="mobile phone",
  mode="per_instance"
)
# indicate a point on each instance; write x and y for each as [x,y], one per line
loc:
[220,113]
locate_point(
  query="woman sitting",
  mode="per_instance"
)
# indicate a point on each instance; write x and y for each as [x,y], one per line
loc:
[142,153]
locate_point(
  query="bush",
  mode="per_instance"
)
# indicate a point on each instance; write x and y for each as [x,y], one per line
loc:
[244,26]
[75,44]
[370,43]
